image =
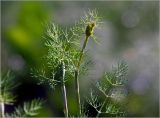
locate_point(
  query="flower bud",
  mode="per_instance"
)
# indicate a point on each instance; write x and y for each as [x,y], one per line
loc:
[89,29]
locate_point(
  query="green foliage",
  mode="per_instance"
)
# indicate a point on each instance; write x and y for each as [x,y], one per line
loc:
[110,87]
[28,109]
[63,46]
[6,86]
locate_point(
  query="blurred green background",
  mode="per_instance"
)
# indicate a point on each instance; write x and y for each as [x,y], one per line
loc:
[130,31]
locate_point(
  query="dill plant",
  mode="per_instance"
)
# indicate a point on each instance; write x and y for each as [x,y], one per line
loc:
[61,59]
[106,93]
[65,60]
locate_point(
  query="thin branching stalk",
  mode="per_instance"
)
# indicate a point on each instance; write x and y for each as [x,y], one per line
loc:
[88,32]
[64,91]
[77,74]
[2,107]
[101,108]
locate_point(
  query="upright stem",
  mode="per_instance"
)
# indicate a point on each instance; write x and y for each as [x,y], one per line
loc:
[64,91]
[82,51]
[2,110]
[77,92]
[76,76]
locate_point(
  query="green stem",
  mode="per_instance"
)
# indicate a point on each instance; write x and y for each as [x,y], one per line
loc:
[82,51]
[64,91]
[77,74]
[2,110]
[101,109]
[77,92]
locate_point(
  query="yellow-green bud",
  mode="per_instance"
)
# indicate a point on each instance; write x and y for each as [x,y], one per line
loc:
[89,29]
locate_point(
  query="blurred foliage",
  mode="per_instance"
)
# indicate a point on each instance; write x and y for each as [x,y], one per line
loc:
[29,109]
[6,86]
[26,34]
